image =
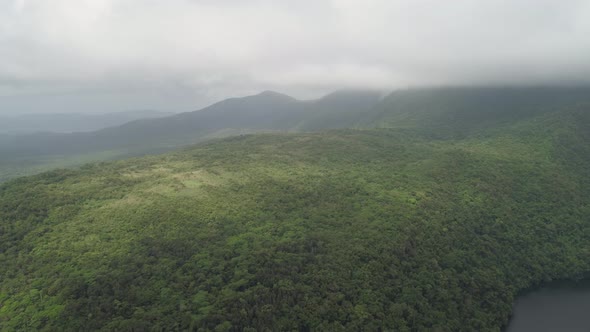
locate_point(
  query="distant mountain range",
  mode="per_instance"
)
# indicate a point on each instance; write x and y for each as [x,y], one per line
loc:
[443,112]
[456,112]
[267,111]
[69,122]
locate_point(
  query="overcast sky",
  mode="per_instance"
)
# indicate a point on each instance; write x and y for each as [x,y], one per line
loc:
[178,55]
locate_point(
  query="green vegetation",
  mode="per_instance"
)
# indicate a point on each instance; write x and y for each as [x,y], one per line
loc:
[435,113]
[402,229]
[265,112]
[15,167]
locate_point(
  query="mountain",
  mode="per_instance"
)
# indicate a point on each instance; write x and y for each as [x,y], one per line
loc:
[460,111]
[451,112]
[267,111]
[427,225]
[69,122]
[340,109]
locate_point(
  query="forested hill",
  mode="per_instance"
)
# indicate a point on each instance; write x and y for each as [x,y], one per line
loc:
[438,112]
[454,112]
[267,111]
[398,229]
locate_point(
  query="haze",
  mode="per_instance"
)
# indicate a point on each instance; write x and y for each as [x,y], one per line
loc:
[179,55]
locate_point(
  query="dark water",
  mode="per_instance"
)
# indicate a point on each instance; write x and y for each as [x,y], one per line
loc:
[563,307]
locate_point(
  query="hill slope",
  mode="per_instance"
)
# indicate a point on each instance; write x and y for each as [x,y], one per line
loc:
[268,111]
[265,111]
[340,230]
[458,112]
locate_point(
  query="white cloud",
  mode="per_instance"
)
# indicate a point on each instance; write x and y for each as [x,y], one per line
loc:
[223,48]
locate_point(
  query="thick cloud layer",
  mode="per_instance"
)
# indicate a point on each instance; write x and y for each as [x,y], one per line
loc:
[108,55]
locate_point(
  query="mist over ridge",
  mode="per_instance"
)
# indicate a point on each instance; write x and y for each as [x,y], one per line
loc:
[178,55]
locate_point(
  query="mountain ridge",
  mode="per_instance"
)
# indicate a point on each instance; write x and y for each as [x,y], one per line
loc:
[344,229]
[264,111]
[449,113]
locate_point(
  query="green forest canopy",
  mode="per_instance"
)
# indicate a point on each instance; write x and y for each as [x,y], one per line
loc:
[401,229]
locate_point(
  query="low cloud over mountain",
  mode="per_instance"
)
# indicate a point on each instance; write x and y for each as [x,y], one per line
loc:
[89,55]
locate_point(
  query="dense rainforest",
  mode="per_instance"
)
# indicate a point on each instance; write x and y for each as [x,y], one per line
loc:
[434,221]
